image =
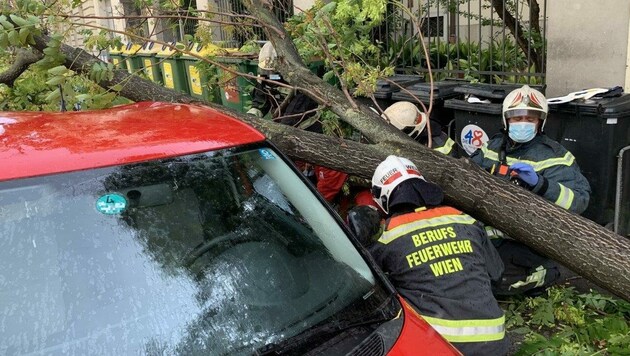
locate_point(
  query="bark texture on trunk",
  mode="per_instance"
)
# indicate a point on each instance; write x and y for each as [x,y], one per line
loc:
[23,60]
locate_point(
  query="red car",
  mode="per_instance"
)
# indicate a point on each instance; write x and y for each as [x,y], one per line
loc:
[159,228]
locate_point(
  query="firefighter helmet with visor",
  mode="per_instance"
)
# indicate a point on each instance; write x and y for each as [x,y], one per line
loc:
[525,101]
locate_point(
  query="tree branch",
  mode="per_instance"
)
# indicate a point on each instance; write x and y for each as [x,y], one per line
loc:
[518,32]
[294,71]
[22,61]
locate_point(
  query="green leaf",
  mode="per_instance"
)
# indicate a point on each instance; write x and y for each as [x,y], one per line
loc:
[56,80]
[23,35]
[18,20]
[4,40]
[31,39]
[83,97]
[6,24]
[51,51]
[53,96]
[521,331]
[33,20]
[14,39]
[58,70]
[327,9]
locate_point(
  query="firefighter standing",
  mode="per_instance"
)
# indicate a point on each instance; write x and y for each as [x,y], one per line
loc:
[438,258]
[524,154]
[406,117]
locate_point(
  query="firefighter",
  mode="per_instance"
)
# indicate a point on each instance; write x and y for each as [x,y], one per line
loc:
[523,154]
[269,98]
[438,258]
[406,117]
[292,108]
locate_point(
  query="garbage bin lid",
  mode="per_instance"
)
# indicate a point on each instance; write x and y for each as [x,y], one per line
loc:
[605,108]
[132,48]
[169,50]
[441,91]
[115,49]
[493,91]
[581,94]
[484,108]
[147,48]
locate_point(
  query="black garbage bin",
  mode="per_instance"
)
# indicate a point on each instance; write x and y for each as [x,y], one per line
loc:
[493,92]
[442,91]
[475,123]
[386,87]
[596,131]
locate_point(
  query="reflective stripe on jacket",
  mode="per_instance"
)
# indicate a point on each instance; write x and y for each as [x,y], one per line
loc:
[469,330]
[446,146]
[441,143]
[567,187]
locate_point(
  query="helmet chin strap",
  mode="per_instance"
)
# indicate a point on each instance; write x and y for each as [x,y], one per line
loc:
[415,133]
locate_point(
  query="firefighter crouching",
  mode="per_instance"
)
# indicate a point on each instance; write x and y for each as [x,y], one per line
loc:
[438,258]
[523,154]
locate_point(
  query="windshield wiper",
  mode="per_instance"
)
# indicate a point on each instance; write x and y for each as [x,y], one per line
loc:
[321,331]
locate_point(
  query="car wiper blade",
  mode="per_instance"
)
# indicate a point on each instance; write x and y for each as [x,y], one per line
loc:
[319,332]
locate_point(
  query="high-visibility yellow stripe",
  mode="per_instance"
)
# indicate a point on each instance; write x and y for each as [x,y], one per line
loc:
[400,230]
[448,146]
[566,160]
[565,198]
[494,233]
[479,330]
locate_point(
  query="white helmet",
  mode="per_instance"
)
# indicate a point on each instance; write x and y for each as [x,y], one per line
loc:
[267,57]
[388,175]
[525,101]
[406,117]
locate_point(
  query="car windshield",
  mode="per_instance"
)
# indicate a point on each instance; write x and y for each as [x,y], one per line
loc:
[213,253]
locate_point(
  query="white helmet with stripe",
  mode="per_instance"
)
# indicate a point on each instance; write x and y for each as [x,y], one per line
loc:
[525,101]
[388,175]
[406,117]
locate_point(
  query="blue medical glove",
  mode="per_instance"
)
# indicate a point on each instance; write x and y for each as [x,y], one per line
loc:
[525,172]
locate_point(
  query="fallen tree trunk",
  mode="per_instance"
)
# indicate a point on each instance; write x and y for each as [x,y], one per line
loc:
[587,248]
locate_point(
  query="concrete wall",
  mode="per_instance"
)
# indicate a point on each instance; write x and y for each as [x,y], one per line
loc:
[588,45]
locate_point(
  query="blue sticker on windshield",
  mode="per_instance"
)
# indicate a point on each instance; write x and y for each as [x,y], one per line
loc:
[111,204]
[266,154]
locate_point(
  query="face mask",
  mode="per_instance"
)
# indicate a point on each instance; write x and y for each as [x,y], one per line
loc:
[522,131]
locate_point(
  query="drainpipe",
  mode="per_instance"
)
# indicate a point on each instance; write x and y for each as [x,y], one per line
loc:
[619,187]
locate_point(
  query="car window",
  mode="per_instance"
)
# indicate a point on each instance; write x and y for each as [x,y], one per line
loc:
[215,253]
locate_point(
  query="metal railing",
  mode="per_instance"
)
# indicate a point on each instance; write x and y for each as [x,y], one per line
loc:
[241,34]
[491,41]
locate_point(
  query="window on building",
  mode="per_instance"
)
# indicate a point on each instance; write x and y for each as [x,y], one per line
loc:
[240,34]
[433,26]
[135,25]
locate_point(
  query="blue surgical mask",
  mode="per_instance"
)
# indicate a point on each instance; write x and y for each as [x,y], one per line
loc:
[522,131]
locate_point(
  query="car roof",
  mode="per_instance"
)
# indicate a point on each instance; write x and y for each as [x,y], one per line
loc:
[39,143]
